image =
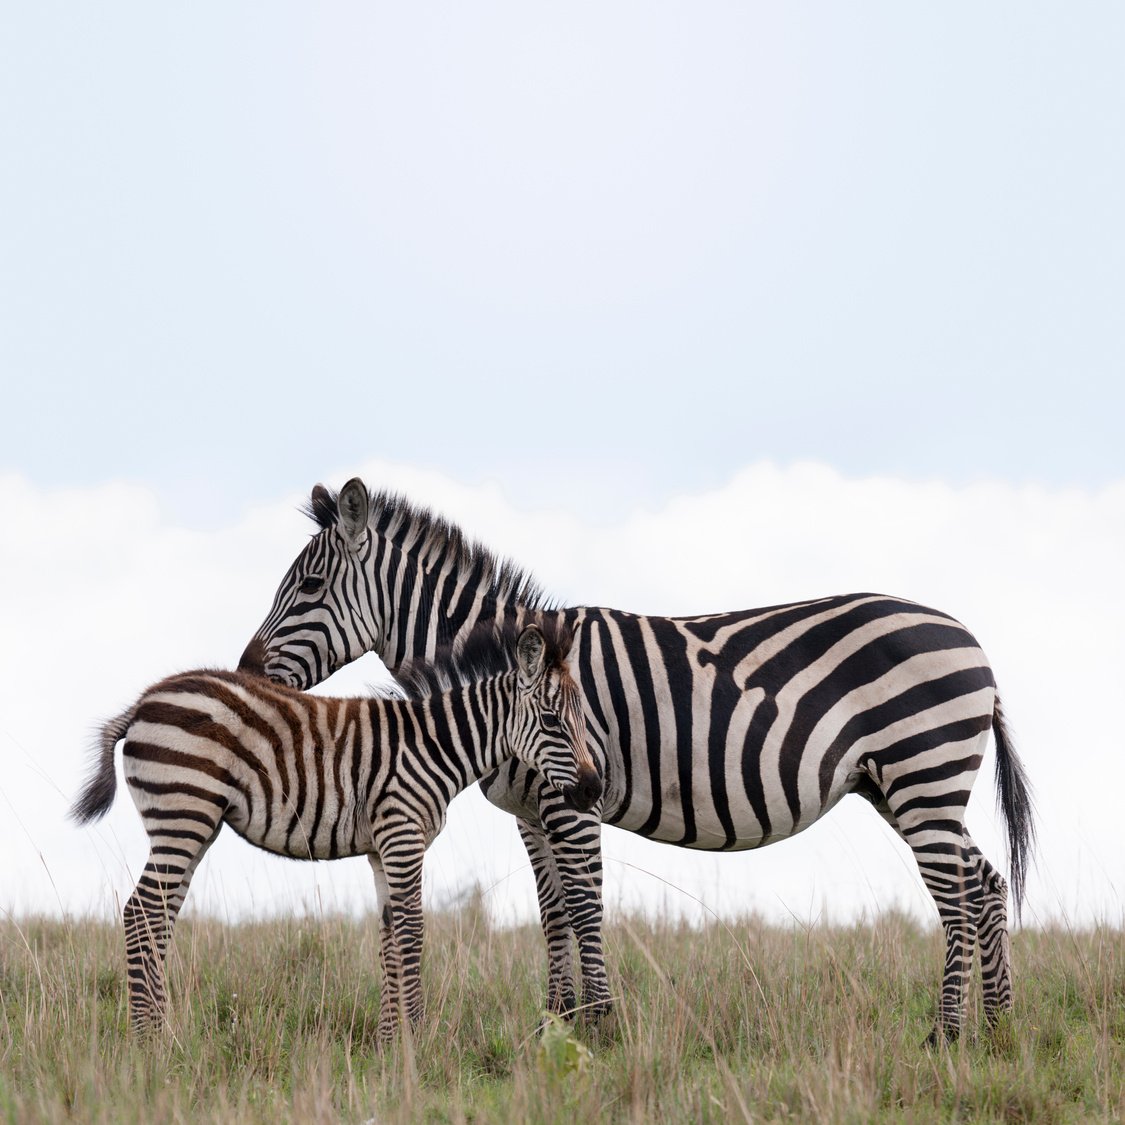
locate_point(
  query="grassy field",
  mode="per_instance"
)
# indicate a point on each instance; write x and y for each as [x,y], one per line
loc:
[276,1021]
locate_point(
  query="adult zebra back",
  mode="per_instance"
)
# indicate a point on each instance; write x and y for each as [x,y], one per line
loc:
[725,731]
[317,778]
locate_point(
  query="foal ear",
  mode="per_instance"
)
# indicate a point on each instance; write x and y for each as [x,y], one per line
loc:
[353,512]
[531,654]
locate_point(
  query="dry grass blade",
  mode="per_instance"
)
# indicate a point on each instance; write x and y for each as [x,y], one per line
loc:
[277,1020]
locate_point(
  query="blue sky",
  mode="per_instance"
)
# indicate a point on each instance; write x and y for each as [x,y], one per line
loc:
[686,307]
[246,245]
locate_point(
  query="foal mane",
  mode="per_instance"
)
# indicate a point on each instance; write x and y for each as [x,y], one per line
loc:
[488,650]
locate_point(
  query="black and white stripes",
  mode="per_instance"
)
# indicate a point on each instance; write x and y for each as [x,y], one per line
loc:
[312,777]
[722,732]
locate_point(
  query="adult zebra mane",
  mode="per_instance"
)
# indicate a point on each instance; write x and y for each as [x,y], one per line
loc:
[488,650]
[433,540]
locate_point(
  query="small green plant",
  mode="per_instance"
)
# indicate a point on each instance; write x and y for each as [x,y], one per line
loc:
[560,1054]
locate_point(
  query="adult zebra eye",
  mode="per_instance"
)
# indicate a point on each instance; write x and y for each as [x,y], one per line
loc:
[550,720]
[311,584]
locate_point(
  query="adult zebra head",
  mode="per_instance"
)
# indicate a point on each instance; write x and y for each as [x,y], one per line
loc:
[324,614]
[381,575]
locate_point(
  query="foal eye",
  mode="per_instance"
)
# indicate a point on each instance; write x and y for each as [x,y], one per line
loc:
[550,720]
[311,584]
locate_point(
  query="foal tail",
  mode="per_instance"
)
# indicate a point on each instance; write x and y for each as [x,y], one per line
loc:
[101,786]
[1014,798]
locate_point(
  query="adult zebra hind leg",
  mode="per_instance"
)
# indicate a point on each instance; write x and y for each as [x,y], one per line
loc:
[992,939]
[178,841]
[985,893]
[926,788]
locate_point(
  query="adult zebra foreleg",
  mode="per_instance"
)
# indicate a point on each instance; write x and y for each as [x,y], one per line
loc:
[564,846]
[554,917]
[574,841]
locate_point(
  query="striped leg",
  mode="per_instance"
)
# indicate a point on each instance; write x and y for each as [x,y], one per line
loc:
[926,794]
[574,840]
[178,841]
[398,887]
[390,957]
[950,875]
[992,939]
[553,915]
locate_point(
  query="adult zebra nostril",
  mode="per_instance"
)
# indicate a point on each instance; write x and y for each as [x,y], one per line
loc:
[253,658]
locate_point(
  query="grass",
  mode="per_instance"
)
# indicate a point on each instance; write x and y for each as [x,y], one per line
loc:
[276,1021]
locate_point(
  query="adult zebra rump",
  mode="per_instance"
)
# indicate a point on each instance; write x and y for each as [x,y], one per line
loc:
[318,778]
[722,732]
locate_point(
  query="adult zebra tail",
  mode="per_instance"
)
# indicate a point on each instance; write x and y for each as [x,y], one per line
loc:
[1013,796]
[101,786]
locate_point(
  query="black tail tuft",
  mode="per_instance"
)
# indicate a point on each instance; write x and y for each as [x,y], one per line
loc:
[101,786]
[1014,797]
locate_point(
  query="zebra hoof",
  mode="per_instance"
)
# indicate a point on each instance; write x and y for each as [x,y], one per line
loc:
[600,1022]
[941,1036]
[596,1011]
[1001,1035]
[563,1007]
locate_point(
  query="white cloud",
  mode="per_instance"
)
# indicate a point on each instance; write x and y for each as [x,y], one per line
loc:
[105,596]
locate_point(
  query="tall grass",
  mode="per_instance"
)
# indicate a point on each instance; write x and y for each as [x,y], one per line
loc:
[276,1021]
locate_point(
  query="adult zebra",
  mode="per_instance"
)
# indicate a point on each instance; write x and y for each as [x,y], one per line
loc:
[312,777]
[722,732]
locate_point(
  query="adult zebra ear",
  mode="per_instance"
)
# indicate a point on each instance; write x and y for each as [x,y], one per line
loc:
[531,652]
[322,507]
[353,513]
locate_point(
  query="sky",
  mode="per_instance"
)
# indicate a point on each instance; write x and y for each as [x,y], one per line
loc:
[684,307]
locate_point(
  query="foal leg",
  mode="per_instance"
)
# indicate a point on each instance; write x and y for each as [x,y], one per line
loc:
[178,840]
[397,866]
[390,958]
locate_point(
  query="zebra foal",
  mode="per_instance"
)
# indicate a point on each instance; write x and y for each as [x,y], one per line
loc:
[312,777]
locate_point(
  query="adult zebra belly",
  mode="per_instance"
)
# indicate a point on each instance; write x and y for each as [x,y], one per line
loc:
[733,731]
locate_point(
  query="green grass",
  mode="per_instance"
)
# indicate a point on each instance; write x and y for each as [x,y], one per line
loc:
[276,1021]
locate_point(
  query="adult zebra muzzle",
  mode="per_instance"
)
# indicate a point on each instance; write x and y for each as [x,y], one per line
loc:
[585,794]
[253,659]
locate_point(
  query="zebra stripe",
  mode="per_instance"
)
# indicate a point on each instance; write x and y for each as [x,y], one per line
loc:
[319,778]
[721,732]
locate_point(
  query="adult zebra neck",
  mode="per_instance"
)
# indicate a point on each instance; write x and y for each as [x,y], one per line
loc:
[445,590]
[432,600]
